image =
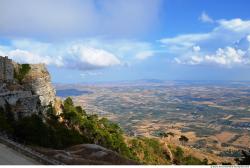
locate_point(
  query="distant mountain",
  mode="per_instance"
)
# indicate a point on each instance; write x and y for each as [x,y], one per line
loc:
[71,92]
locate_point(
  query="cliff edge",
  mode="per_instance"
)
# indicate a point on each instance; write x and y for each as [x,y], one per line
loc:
[25,89]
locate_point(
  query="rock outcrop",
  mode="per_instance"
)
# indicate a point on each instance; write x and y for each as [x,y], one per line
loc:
[24,93]
[86,154]
[39,82]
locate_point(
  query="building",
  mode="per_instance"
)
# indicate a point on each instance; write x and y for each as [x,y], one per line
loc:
[6,69]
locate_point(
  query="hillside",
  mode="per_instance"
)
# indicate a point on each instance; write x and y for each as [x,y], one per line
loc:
[31,114]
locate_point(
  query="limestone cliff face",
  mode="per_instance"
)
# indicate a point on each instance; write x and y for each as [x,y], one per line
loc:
[38,81]
[24,89]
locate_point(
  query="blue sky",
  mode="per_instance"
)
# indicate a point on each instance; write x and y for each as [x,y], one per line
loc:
[114,40]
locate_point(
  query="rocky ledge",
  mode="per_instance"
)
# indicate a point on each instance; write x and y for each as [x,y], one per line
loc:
[86,154]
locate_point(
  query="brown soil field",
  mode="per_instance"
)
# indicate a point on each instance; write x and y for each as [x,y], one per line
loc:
[224,136]
[243,141]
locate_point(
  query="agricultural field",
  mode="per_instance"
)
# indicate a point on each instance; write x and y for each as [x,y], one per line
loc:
[215,116]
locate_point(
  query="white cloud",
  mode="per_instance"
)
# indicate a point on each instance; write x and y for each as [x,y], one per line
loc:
[205,18]
[227,56]
[144,54]
[85,54]
[122,48]
[92,57]
[196,48]
[181,43]
[227,44]
[23,56]
[235,25]
[225,33]
[69,55]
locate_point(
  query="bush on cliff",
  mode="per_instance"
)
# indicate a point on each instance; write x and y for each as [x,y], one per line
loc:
[22,71]
[148,151]
[245,158]
[180,159]
[5,125]
[32,130]
[77,127]
[98,131]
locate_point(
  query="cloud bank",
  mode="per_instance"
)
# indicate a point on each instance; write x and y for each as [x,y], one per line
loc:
[85,54]
[228,44]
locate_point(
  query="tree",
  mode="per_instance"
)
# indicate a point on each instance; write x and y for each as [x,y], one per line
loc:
[68,103]
[178,155]
[245,159]
[190,160]
[183,139]
[170,134]
[23,70]
[72,115]
[32,130]
[205,161]
[5,125]
[80,110]
[148,151]
[162,134]
[51,113]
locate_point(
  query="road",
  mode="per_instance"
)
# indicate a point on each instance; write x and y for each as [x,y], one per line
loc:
[9,156]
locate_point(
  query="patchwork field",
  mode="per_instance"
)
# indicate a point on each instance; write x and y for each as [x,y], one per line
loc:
[215,117]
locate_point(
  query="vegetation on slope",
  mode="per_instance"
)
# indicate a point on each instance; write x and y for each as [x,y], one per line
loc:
[21,72]
[73,126]
[245,159]
[148,151]
[181,159]
[5,124]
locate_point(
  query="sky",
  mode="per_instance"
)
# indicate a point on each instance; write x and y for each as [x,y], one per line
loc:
[116,40]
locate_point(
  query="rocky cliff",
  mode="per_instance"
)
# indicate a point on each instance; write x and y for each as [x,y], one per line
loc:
[25,89]
[38,81]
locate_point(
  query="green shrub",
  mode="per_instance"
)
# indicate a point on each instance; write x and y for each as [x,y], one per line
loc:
[178,153]
[32,130]
[105,133]
[5,124]
[245,159]
[148,151]
[80,111]
[180,159]
[78,127]
[190,160]
[22,71]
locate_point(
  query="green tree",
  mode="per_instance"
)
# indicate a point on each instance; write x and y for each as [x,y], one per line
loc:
[178,155]
[80,110]
[5,125]
[23,70]
[148,151]
[68,104]
[245,159]
[190,160]
[183,139]
[71,114]
[171,134]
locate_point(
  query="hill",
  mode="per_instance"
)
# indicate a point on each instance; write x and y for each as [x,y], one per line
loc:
[31,114]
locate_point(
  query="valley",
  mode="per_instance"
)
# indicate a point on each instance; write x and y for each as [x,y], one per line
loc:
[214,116]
